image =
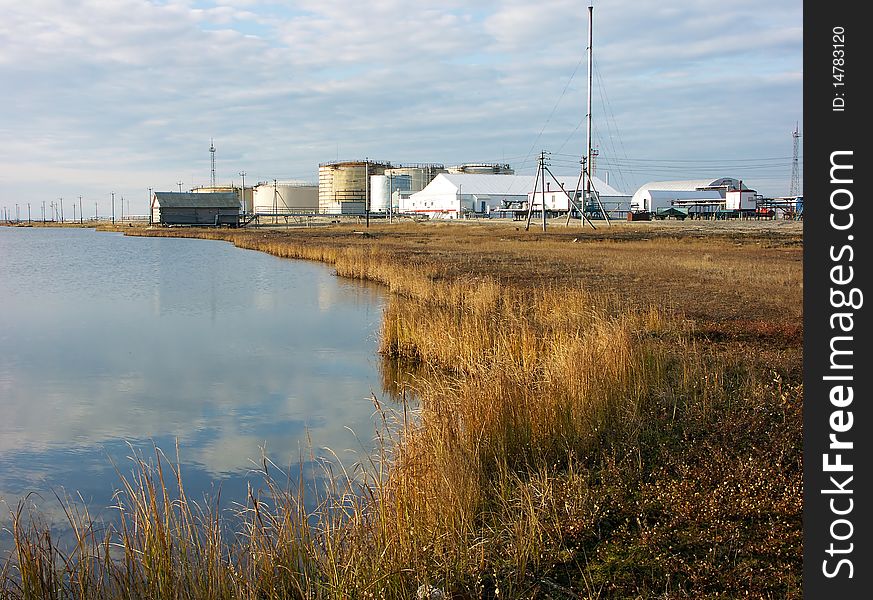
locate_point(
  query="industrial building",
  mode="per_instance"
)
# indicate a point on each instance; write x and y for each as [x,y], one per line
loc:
[285,197]
[696,196]
[603,198]
[452,196]
[344,186]
[193,208]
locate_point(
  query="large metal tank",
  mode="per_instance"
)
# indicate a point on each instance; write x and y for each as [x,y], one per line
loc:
[277,197]
[346,182]
[245,196]
[483,169]
[418,175]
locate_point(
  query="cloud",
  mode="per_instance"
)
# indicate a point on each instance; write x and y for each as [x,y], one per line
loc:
[131,91]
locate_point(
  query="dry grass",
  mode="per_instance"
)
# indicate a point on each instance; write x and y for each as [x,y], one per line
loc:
[615,416]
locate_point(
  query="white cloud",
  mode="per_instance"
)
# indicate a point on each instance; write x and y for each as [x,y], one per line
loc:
[134,90]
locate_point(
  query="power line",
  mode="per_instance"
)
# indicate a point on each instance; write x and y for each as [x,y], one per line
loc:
[700,160]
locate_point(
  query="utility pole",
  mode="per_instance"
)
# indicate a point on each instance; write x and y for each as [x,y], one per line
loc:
[62,209]
[151,207]
[390,198]
[81,214]
[540,166]
[242,196]
[543,186]
[28,213]
[113,208]
[95,211]
[43,212]
[367,191]
[180,186]
[460,201]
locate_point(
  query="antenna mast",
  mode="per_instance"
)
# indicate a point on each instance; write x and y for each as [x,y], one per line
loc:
[212,153]
[795,164]
[590,71]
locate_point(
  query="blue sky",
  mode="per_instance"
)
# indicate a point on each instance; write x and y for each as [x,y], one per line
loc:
[105,96]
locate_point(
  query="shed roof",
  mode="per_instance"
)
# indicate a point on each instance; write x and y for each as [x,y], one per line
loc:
[197,200]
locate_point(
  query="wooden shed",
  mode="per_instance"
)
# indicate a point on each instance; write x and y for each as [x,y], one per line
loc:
[188,208]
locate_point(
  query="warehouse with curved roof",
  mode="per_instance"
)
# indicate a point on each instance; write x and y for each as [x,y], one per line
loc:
[451,196]
[663,194]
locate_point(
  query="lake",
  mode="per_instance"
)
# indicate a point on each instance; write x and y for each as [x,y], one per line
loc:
[112,344]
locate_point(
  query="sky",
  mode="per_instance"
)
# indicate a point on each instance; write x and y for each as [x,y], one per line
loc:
[106,97]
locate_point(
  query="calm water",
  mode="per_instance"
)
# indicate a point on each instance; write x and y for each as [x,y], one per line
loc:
[107,340]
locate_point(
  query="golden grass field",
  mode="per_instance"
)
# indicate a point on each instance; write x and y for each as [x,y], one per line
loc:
[601,414]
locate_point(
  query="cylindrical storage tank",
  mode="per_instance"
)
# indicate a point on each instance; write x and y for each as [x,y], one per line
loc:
[483,169]
[418,175]
[248,197]
[401,182]
[245,196]
[285,197]
[346,182]
[379,193]
[385,186]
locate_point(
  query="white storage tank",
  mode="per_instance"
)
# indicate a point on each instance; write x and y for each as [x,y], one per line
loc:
[378,193]
[277,197]
[387,186]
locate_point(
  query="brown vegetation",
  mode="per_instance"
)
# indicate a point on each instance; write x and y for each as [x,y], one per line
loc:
[609,414]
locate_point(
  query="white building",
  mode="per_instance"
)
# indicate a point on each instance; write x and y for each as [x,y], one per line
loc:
[686,193]
[744,200]
[452,196]
[614,202]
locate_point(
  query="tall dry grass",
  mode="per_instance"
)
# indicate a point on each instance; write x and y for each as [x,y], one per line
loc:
[564,444]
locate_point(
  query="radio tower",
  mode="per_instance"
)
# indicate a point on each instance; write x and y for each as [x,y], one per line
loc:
[795,164]
[212,152]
